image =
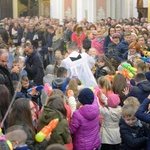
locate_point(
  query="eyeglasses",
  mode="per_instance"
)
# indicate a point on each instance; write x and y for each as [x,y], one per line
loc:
[33,108]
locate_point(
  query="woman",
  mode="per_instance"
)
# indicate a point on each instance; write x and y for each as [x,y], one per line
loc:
[24,113]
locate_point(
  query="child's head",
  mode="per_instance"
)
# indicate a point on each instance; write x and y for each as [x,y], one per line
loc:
[50,69]
[25,82]
[113,100]
[57,103]
[141,66]
[19,50]
[104,83]
[58,61]
[58,54]
[17,86]
[62,72]
[16,63]
[16,135]
[99,34]
[89,34]
[128,114]
[86,96]
[132,100]
[140,77]
[92,52]
[56,147]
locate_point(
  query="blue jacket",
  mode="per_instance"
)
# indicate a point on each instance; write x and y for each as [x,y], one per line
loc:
[107,41]
[140,91]
[133,138]
[121,48]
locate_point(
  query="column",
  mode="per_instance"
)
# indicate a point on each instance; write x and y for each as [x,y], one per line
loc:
[108,8]
[91,10]
[80,9]
[113,9]
[15,8]
[74,8]
[57,9]
[148,10]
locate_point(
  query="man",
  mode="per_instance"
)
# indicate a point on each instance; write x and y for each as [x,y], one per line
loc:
[79,65]
[33,64]
[5,74]
[49,42]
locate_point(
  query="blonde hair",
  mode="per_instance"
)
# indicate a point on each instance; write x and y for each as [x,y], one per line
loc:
[129,110]
[104,83]
[132,100]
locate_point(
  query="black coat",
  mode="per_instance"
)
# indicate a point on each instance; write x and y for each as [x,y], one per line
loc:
[86,44]
[7,79]
[34,68]
[133,138]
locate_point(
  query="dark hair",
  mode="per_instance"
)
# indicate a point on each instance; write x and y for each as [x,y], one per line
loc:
[4,99]
[51,28]
[57,103]
[28,45]
[140,77]
[21,112]
[56,147]
[61,71]
[110,29]
[72,46]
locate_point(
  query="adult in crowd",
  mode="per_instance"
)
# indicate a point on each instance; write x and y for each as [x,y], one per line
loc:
[79,64]
[5,74]
[33,64]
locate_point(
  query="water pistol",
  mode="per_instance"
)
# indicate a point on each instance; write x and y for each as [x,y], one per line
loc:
[129,67]
[126,73]
[36,88]
[46,130]
[145,59]
[7,141]
[110,77]
[48,89]
[146,53]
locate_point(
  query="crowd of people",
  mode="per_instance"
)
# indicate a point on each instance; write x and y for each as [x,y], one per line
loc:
[93,77]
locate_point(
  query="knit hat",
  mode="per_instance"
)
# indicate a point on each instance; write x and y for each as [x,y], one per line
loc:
[86,96]
[116,35]
[50,69]
[113,100]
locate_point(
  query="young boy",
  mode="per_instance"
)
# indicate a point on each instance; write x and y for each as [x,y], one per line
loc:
[133,134]
[17,136]
[62,80]
[35,96]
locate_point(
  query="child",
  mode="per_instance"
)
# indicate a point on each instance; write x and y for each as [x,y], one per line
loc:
[26,84]
[93,52]
[103,67]
[62,80]
[110,135]
[133,134]
[17,87]
[84,125]
[142,88]
[17,70]
[41,49]
[55,109]
[17,136]
[104,89]
[57,64]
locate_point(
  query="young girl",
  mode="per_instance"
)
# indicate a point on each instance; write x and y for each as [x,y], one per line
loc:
[23,113]
[103,67]
[118,88]
[110,135]
[55,109]
[84,126]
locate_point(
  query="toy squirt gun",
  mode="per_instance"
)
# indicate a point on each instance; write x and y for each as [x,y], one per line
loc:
[128,70]
[35,89]
[46,130]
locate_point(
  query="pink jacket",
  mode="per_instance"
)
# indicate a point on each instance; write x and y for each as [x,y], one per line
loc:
[98,46]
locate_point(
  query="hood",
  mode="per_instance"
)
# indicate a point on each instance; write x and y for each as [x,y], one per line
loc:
[58,82]
[144,86]
[115,113]
[48,114]
[90,112]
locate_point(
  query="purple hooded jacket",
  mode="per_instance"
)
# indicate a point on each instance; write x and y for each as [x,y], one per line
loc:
[85,127]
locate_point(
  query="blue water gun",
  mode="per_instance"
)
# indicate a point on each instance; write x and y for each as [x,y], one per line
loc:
[35,88]
[145,59]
